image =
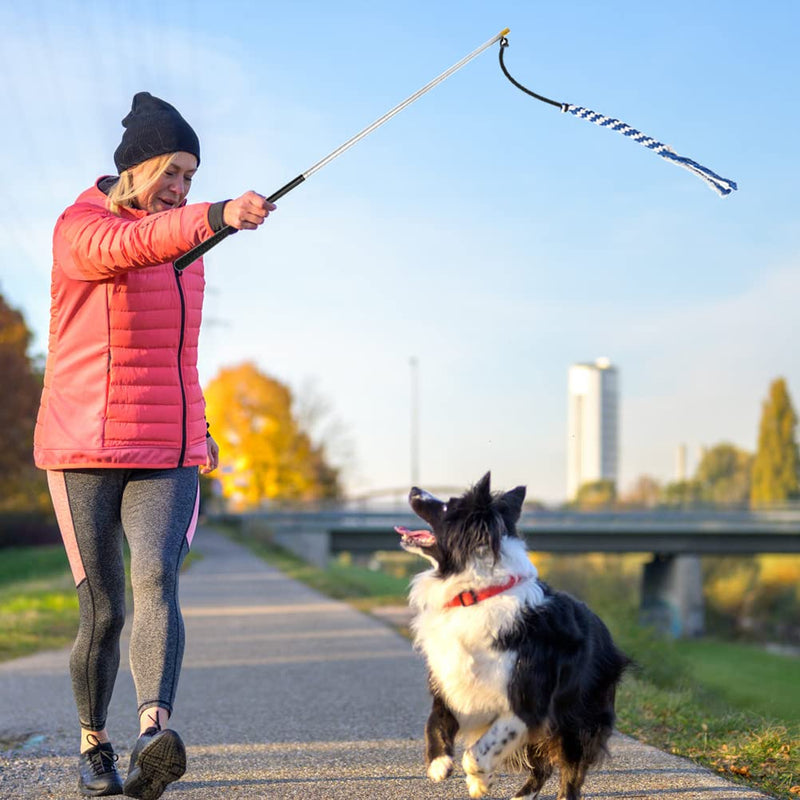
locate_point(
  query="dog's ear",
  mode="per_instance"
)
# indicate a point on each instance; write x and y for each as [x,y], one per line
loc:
[513,501]
[426,506]
[484,485]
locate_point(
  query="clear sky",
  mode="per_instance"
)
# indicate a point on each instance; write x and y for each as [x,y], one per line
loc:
[483,233]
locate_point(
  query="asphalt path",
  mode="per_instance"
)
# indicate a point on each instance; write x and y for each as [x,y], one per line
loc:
[285,694]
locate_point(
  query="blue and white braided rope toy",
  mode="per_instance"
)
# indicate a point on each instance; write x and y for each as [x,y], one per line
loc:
[723,186]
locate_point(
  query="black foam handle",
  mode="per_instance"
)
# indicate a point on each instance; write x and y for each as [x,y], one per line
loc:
[201,249]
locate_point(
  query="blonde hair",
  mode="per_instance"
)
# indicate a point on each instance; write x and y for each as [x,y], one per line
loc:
[129,186]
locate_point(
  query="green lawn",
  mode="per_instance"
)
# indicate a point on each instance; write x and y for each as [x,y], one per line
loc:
[747,677]
[24,563]
[38,602]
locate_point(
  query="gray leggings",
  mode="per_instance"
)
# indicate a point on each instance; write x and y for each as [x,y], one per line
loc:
[156,511]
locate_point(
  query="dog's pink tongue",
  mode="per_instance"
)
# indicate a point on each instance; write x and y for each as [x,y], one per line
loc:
[424,538]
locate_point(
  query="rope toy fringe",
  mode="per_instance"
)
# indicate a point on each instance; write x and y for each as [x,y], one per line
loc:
[722,186]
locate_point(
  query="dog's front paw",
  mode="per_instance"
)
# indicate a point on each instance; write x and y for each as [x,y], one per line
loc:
[479,785]
[478,780]
[471,762]
[440,768]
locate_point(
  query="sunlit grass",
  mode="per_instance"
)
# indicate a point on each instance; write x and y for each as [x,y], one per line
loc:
[38,601]
[691,721]
[747,677]
[23,563]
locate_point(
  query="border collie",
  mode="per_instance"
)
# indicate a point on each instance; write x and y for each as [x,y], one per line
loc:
[525,674]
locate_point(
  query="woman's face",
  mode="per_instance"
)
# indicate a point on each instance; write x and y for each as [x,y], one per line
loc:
[170,190]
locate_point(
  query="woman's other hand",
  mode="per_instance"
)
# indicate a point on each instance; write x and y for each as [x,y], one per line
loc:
[212,456]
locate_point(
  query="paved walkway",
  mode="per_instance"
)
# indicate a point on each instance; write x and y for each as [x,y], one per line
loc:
[285,694]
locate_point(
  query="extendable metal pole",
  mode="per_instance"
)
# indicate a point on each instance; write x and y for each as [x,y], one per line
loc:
[195,253]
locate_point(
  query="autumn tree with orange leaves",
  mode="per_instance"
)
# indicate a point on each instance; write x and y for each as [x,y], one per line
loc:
[265,455]
[21,484]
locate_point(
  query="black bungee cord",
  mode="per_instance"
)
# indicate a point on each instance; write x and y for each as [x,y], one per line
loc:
[723,186]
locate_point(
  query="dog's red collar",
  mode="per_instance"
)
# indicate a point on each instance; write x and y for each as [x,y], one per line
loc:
[470,596]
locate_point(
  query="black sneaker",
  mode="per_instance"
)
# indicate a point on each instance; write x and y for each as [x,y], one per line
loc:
[98,772]
[158,758]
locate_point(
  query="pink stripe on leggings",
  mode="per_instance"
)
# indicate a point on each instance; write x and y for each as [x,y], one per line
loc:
[58,493]
[193,524]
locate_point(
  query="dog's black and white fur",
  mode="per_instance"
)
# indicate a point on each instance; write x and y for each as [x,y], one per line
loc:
[526,676]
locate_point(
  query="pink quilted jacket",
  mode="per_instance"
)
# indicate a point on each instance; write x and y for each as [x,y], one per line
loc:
[121,387]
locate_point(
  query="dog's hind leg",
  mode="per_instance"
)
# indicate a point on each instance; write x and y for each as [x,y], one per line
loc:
[577,755]
[480,761]
[572,778]
[440,734]
[541,769]
[574,764]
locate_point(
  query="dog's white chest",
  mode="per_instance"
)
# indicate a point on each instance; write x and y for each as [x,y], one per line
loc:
[472,676]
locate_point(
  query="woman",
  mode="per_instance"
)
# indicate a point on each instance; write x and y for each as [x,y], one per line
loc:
[121,429]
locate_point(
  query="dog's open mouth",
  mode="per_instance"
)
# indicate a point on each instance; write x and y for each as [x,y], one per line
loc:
[415,538]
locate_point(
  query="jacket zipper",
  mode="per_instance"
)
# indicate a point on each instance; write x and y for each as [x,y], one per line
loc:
[180,369]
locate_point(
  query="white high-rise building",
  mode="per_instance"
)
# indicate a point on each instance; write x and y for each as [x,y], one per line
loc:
[592,424]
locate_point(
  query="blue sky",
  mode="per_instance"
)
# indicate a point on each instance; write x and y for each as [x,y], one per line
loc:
[483,233]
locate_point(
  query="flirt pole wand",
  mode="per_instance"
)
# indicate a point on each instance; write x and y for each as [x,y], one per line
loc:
[185,260]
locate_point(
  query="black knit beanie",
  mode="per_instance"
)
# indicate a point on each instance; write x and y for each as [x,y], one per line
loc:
[153,128]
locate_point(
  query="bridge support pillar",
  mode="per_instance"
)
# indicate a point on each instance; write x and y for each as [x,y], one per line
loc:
[672,595]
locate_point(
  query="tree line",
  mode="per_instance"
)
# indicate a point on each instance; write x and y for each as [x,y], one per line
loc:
[726,476]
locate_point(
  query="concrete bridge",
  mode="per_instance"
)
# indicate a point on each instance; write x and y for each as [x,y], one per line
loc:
[672,591]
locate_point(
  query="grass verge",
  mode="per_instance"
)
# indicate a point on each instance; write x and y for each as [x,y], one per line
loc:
[682,706]
[690,722]
[38,601]
[746,676]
